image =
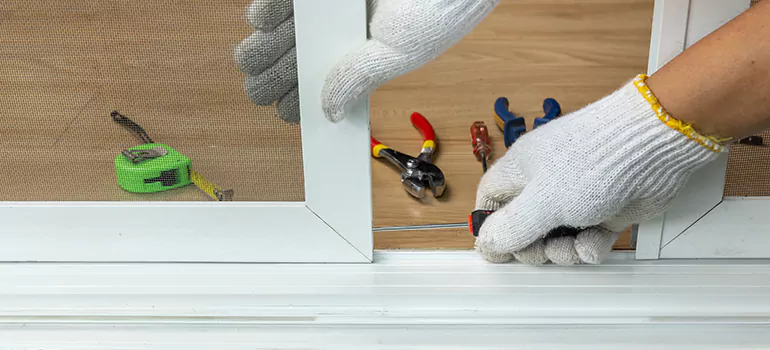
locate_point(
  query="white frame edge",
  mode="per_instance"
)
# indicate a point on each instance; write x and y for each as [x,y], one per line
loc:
[669,30]
[334,224]
[678,24]
[428,300]
[338,186]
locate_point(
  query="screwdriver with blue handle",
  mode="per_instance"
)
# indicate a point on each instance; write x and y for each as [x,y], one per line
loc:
[513,127]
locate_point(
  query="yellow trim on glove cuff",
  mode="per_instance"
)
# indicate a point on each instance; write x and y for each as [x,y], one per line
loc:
[712,143]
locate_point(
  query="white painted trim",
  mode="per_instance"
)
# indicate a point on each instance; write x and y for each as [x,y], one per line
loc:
[648,238]
[700,195]
[338,185]
[736,228]
[238,336]
[669,31]
[672,31]
[333,225]
[429,299]
[707,15]
[232,232]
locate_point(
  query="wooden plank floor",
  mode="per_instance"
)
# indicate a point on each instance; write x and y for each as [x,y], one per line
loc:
[574,51]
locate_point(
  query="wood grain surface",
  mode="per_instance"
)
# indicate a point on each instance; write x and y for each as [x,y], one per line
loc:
[574,51]
[168,65]
[449,238]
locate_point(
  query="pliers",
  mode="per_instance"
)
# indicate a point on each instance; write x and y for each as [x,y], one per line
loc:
[417,173]
[513,126]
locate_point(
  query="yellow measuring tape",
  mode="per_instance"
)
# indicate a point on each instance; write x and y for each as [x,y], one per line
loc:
[214,191]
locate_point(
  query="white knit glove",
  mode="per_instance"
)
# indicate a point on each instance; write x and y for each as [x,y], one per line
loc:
[604,167]
[269,57]
[405,34]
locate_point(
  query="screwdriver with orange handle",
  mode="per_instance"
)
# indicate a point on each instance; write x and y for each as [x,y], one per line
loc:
[481,145]
[482,149]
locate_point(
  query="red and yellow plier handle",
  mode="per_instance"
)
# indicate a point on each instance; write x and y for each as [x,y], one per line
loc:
[417,173]
[429,138]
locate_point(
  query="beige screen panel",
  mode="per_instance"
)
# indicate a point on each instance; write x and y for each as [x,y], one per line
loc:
[168,65]
[748,170]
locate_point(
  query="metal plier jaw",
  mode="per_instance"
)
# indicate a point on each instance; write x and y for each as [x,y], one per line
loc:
[417,173]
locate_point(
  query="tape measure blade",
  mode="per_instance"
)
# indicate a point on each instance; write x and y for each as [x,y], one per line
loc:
[208,187]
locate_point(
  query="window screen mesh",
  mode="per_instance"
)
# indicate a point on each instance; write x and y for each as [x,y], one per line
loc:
[748,169]
[167,65]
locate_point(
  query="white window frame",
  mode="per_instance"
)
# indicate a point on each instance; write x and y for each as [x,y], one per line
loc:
[700,222]
[333,224]
[415,300]
[406,299]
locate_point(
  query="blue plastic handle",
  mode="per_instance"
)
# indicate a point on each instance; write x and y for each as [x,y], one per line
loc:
[511,125]
[552,110]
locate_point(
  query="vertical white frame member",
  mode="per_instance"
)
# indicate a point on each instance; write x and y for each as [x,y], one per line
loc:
[332,225]
[677,24]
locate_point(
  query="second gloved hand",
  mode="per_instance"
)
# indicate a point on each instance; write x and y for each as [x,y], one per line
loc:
[604,167]
[269,57]
[405,34]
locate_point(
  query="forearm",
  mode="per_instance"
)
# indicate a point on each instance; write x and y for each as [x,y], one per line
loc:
[721,85]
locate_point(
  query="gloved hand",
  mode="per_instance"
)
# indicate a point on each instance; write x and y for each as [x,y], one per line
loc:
[269,57]
[604,167]
[405,34]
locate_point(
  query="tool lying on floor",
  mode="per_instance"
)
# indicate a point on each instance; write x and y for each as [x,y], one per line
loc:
[513,127]
[417,173]
[552,110]
[480,141]
[477,218]
[146,169]
[153,167]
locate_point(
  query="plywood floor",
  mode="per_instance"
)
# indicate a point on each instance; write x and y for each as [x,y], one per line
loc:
[574,51]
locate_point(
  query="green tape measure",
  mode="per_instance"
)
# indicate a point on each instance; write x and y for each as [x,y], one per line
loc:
[154,167]
[152,174]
